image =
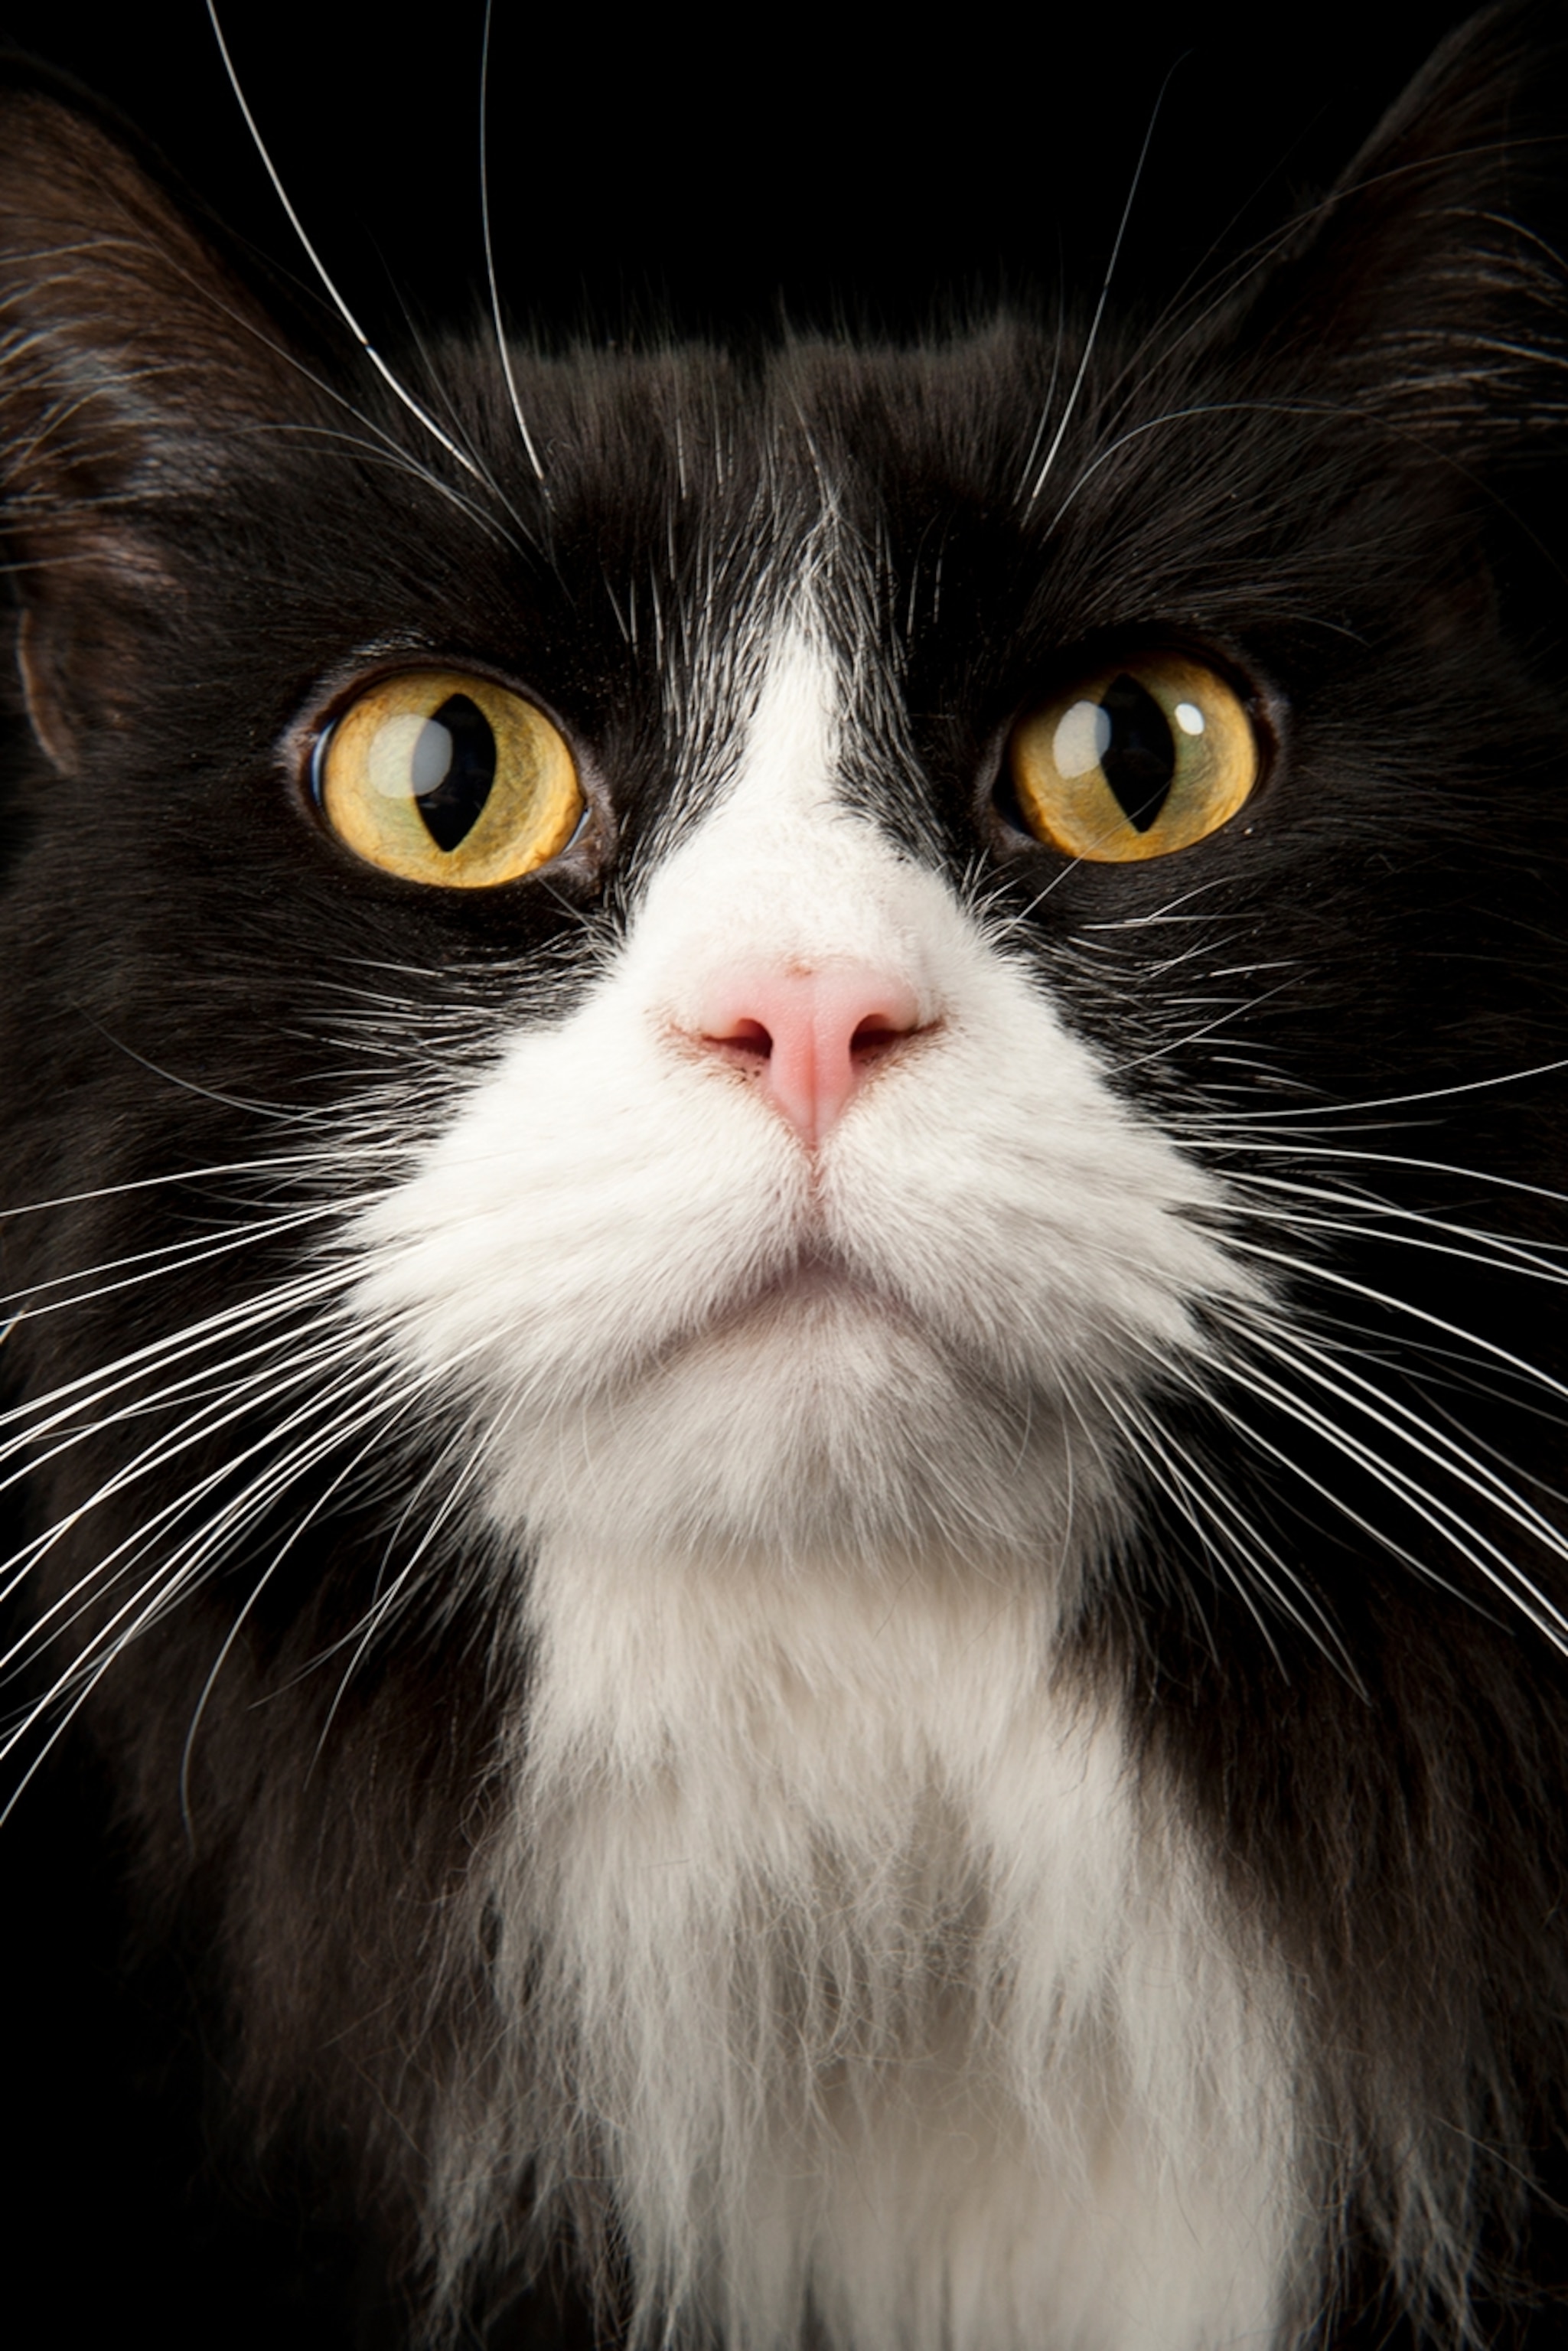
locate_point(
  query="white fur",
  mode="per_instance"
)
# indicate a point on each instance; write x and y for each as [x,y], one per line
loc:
[872,1978]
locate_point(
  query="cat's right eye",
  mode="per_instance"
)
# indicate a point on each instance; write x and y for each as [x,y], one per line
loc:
[446,778]
[1146,757]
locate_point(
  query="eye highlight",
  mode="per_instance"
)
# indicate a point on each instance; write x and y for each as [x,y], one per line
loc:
[1135,761]
[446,778]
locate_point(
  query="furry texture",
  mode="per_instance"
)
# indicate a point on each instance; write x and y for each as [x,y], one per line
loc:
[957,1740]
[831,1926]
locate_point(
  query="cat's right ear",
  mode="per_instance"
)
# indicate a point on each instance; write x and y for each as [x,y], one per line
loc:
[134,360]
[1427,292]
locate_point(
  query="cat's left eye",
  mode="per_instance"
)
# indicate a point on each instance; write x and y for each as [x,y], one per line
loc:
[1146,757]
[446,778]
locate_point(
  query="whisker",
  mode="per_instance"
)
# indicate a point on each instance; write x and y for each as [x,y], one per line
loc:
[1207,1126]
[1505,1255]
[1501,1572]
[1190,1037]
[1384,1543]
[1292,1347]
[282,1163]
[383,1607]
[174,1258]
[379,1428]
[231,1402]
[1427,1094]
[502,347]
[156,1353]
[1186,415]
[398,388]
[1078,381]
[163,1590]
[1199,1501]
[1340,1281]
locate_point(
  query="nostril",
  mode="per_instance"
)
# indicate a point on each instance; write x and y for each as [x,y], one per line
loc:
[744,1039]
[744,1042]
[875,1036]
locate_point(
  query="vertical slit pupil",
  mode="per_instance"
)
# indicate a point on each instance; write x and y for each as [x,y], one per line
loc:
[453,769]
[1139,761]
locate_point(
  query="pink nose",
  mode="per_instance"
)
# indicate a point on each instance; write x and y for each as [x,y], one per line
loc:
[807,1039]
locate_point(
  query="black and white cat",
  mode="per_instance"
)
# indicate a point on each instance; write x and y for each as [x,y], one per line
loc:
[781,1207]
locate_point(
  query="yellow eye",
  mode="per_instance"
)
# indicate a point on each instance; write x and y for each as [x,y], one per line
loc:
[1137,760]
[448,779]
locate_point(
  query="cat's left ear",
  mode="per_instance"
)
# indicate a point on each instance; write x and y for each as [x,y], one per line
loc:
[137,365]
[1428,291]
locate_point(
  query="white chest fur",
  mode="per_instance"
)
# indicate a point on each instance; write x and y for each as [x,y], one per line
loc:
[883,2000]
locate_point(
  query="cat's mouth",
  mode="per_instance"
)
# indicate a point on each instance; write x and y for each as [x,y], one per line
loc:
[815,1285]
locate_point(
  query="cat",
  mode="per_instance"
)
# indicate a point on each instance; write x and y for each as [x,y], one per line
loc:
[781,1223]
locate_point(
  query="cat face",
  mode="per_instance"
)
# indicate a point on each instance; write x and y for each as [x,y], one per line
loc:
[1039,1197]
[714,1273]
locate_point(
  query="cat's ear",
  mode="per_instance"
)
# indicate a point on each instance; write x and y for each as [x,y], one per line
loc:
[134,357]
[1428,290]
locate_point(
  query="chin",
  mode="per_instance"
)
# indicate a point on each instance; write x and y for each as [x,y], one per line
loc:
[819,1422]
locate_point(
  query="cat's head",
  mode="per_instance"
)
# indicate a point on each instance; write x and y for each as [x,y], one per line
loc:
[770,957]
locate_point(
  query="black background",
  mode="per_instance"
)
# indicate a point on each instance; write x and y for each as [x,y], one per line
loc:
[718,173]
[649,171]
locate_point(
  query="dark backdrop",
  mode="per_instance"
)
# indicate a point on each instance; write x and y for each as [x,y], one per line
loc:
[713,169]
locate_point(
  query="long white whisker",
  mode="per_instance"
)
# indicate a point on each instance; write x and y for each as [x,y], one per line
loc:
[1181,416]
[208,1394]
[1375,1215]
[1294,1349]
[1428,1094]
[156,1354]
[318,1158]
[1384,1543]
[1235,1011]
[381,449]
[501,345]
[180,1568]
[233,1403]
[1050,458]
[1207,1126]
[1332,1276]
[1231,1522]
[168,1258]
[1492,1561]
[163,1591]
[379,1425]
[384,1603]
[337,301]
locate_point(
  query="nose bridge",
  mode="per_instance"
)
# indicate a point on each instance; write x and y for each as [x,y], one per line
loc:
[783,942]
[778,866]
[828,890]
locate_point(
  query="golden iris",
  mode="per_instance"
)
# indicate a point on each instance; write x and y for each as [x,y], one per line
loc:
[1139,760]
[446,778]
